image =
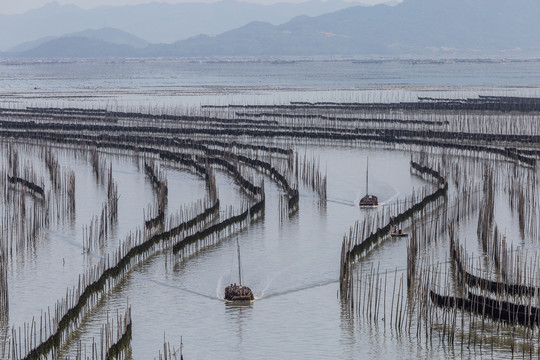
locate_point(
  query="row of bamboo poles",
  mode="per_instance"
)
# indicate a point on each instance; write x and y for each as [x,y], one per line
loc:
[96,233]
[363,236]
[28,205]
[473,120]
[477,304]
[488,138]
[496,297]
[311,175]
[167,138]
[4,290]
[388,297]
[170,352]
[396,299]
[115,336]
[104,275]
[524,197]
[97,276]
[159,183]
[54,326]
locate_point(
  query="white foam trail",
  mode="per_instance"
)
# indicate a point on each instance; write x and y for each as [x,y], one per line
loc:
[271,280]
[391,199]
[265,289]
[302,288]
[220,293]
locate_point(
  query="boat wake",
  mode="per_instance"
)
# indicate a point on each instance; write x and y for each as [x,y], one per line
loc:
[220,289]
[181,289]
[391,200]
[299,289]
[342,202]
[263,292]
[220,294]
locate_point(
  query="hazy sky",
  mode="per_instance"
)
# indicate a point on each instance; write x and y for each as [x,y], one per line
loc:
[19,6]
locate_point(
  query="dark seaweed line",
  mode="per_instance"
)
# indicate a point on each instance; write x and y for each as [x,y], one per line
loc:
[158,219]
[482,103]
[271,149]
[292,193]
[120,345]
[244,183]
[152,175]
[343,119]
[124,341]
[200,235]
[422,138]
[28,184]
[59,114]
[429,171]
[494,287]
[162,187]
[274,131]
[495,309]
[203,145]
[121,143]
[72,111]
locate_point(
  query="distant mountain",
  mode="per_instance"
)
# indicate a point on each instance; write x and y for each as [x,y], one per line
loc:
[426,28]
[109,35]
[31,44]
[78,47]
[113,36]
[154,22]
[414,27]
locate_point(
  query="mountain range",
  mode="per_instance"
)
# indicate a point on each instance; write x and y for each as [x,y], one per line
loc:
[154,22]
[430,28]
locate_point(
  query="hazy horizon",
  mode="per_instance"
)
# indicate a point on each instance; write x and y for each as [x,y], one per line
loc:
[10,7]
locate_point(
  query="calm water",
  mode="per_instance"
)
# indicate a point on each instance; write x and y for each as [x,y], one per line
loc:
[292,266]
[168,84]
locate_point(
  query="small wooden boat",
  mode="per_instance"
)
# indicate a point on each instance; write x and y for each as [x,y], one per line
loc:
[368,200]
[238,294]
[398,233]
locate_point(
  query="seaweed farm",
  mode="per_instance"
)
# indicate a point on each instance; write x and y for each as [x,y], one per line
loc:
[121,216]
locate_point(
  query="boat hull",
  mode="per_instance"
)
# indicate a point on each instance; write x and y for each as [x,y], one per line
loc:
[238,302]
[399,234]
[369,201]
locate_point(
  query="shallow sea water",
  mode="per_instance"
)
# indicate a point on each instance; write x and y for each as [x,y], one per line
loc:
[291,265]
